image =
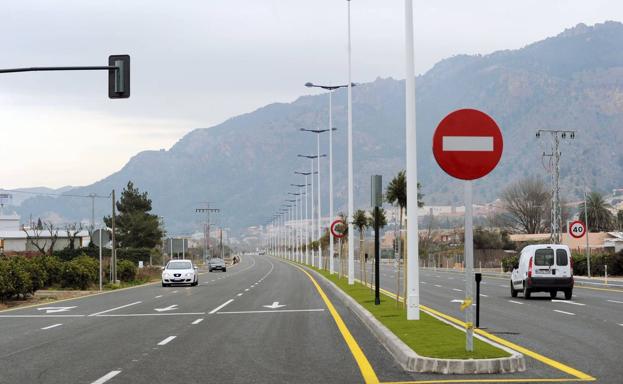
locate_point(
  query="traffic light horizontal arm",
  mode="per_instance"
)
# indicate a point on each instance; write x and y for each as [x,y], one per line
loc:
[39,69]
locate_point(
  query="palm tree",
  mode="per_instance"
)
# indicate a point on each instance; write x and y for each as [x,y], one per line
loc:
[396,193]
[599,216]
[360,221]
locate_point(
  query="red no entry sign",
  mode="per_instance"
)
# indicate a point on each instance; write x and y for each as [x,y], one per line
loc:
[336,231]
[467,144]
[577,229]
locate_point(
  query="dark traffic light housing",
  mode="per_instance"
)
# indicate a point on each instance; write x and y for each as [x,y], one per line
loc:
[119,78]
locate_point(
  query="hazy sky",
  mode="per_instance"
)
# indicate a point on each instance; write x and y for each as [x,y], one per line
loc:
[197,63]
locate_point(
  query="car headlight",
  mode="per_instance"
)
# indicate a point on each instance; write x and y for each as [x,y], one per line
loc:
[189,274]
[165,274]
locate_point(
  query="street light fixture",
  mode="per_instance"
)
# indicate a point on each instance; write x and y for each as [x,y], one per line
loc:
[318,205]
[330,88]
[307,221]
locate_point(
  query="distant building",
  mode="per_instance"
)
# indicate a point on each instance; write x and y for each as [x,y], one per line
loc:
[16,238]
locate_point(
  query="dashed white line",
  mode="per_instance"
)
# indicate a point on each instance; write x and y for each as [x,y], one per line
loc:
[621,324]
[114,309]
[246,290]
[106,377]
[167,340]
[240,294]
[566,313]
[157,297]
[568,302]
[483,295]
[52,326]
[515,302]
[438,286]
[174,292]
[220,306]
[457,290]
[616,301]
[197,321]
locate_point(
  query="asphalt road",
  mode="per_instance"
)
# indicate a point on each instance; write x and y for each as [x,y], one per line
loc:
[263,321]
[585,333]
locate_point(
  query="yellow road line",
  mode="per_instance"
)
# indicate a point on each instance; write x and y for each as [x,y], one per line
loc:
[543,359]
[365,367]
[526,380]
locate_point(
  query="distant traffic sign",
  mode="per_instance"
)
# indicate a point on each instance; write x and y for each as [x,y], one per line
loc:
[577,229]
[101,236]
[467,144]
[334,231]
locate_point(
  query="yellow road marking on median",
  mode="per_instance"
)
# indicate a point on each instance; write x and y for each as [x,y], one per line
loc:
[365,367]
[543,359]
[487,381]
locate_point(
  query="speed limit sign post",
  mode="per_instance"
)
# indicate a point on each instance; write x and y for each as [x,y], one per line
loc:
[577,229]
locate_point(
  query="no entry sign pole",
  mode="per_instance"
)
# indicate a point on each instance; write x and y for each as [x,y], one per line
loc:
[468,145]
[469,267]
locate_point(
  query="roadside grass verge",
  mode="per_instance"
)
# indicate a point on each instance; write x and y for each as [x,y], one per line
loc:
[428,336]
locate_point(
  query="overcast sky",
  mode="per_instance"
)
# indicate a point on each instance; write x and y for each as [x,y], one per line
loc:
[197,63]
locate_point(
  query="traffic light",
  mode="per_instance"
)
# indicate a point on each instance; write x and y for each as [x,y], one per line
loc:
[119,79]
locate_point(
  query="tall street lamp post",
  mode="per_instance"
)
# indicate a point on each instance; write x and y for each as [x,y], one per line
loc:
[312,157]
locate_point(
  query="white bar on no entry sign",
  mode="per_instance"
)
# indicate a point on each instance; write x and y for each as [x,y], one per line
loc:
[467,143]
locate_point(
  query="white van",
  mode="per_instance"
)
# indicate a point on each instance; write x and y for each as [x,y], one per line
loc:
[543,268]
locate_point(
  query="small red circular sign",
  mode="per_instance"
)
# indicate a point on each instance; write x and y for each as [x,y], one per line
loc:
[577,229]
[335,233]
[467,144]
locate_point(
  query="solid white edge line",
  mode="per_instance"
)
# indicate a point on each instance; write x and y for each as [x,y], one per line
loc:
[52,326]
[106,377]
[197,321]
[42,316]
[273,311]
[220,306]
[114,309]
[566,313]
[167,340]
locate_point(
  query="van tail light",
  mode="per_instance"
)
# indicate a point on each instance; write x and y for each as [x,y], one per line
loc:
[530,269]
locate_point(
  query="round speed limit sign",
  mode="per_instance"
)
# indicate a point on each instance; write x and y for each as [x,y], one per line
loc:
[577,229]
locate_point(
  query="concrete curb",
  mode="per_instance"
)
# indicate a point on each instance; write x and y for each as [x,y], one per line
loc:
[411,361]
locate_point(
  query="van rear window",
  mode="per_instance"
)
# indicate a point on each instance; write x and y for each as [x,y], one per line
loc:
[544,257]
[562,258]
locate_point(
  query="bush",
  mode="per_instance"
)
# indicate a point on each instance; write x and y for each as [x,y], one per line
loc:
[6,286]
[80,273]
[53,268]
[510,262]
[19,278]
[126,270]
[598,263]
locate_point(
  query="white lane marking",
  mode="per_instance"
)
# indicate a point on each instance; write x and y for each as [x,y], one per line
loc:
[153,314]
[566,313]
[167,340]
[484,282]
[467,143]
[197,321]
[52,326]
[157,297]
[240,294]
[42,316]
[616,301]
[55,309]
[165,309]
[220,306]
[423,282]
[246,290]
[450,278]
[114,309]
[106,377]
[483,295]
[457,290]
[515,302]
[438,286]
[568,302]
[174,292]
[275,311]
[621,324]
[274,305]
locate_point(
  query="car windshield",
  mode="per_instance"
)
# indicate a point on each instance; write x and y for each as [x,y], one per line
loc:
[216,260]
[180,265]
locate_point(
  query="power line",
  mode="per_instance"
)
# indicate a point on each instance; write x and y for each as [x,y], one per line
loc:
[55,194]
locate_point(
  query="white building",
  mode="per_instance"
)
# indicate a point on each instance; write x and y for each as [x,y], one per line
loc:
[15,238]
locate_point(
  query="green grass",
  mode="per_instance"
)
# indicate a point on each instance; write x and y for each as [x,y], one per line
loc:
[428,336]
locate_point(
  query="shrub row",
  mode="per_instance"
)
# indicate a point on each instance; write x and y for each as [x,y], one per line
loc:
[21,276]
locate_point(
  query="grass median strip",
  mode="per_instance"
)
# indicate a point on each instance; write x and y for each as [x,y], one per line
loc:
[428,337]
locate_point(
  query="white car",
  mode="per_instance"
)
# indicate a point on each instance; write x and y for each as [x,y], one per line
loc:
[179,272]
[543,268]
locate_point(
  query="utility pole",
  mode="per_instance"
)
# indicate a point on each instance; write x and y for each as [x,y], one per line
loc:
[113,253]
[206,228]
[588,250]
[556,212]
[92,196]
